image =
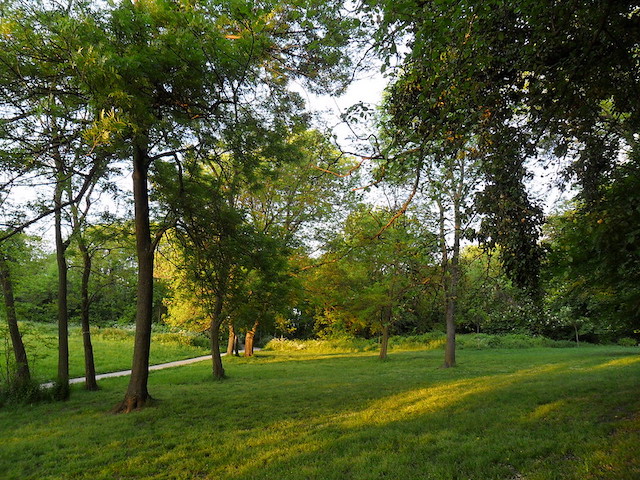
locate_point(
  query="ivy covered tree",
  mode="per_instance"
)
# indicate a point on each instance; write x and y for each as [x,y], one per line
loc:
[522,76]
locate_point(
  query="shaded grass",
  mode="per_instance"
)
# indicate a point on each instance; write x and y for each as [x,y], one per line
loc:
[510,414]
[112,348]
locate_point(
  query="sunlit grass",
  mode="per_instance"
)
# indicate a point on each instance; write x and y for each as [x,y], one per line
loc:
[503,414]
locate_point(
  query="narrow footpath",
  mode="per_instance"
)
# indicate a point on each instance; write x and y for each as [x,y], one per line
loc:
[161,366]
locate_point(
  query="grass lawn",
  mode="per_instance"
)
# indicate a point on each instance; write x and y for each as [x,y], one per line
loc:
[501,414]
[112,349]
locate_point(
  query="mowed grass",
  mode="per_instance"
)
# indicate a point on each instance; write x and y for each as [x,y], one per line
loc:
[501,414]
[112,349]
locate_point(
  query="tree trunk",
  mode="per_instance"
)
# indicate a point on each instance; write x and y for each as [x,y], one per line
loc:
[89,364]
[249,339]
[137,393]
[451,275]
[19,352]
[386,322]
[231,344]
[62,387]
[450,319]
[218,369]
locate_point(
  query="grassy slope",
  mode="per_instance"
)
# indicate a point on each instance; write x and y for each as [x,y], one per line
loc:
[111,353]
[503,414]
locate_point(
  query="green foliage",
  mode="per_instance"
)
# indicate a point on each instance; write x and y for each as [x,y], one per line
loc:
[561,84]
[182,339]
[481,341]
[113,333]
[627,342]
[427,341]
[112,288]
[593,263]
[18,392]
[372,276]
[488,300]
[13,389]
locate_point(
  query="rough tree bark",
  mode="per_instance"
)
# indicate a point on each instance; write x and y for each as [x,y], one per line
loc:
[249,339]
[19,352]
[137,394]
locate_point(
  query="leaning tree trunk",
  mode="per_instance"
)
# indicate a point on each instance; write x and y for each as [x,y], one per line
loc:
[19,352]
[214,330]
[137,393]
[386,322]
[249,339]
[89,364]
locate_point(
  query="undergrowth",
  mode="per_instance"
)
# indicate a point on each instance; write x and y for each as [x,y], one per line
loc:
[427,341]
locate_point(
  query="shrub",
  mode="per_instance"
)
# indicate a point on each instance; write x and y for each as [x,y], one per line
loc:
[284,345]
[110,333]
[186,339]
[515,340]
[478,341]
[548,342]
[627,342]
[427,341]
[14,391]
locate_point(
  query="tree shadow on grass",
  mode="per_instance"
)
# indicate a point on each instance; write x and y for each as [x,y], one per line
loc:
[544,423]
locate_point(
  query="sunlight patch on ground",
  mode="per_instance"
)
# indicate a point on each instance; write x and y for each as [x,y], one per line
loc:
[307,436]
[618,362]
[543,411]
[434,398]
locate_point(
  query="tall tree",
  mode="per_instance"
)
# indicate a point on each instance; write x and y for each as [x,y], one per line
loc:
[424,148]
[218,248]
[45,115]
[159,74]
[160,78]
[367,280]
